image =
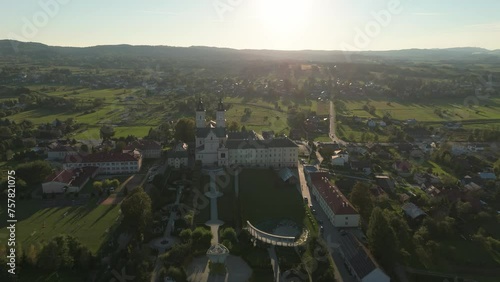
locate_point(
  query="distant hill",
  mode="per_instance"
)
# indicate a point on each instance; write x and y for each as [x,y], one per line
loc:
[10,48]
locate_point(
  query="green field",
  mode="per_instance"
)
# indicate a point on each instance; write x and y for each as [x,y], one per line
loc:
[263,117]
[432,112]
[264,196]
[424,111]
[90,223]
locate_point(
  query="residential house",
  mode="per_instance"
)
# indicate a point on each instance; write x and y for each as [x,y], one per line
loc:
[485,176]
[353,149]
[149,149]
[371,123]
[402,167]
[361,166]
[431,190]
[69,180]
[413,211]
[337,208]
[108,162]
[423,178]
[385,182]
[179,156]
[359,262]
[340,158]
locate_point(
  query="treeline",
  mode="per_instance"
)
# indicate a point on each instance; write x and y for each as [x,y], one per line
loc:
[63,252]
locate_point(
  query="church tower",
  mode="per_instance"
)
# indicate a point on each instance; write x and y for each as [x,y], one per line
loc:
[221,115]
[200,115]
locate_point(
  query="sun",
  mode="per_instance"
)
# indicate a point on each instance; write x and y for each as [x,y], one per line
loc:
[284,16]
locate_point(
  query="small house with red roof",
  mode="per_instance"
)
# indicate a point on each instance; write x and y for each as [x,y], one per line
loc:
[69,180]
[338,209]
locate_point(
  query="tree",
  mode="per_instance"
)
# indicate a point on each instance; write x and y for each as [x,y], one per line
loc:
[381,237]
[136,210]
[178,254]
[84,148]
[229,234]
[106,183]
[185,235]
[114,183]
[62,251]
[49,258]
[106,132]
[119,146]
[176,273]
[97,185]
[201,238]
[360,197]
[34,172]
[184,130]
[234,126]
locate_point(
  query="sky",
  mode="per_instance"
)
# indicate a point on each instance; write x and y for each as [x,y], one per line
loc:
[256,24]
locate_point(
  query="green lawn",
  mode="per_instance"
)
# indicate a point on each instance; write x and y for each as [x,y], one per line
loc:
[264,196]
[90,223]
[263,117]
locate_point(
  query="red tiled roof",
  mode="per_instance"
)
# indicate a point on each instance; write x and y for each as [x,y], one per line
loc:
[64,176]
[143,145]
[75,177]
[331,194]
[101,157]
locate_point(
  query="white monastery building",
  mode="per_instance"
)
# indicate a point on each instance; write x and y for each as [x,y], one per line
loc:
[215,146]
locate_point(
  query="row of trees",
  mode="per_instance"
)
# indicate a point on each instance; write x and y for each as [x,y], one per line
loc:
[100,186]
[63,252]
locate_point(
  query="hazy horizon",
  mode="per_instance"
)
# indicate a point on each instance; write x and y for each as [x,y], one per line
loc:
[254,49]
[288,25]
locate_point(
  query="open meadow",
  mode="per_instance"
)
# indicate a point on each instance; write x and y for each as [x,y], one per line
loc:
[41,220]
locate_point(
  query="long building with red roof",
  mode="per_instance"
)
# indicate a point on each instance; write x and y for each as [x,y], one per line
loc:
[339,210]
[108,162]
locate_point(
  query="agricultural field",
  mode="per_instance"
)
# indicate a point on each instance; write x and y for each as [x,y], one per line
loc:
[435,112]
[425,111]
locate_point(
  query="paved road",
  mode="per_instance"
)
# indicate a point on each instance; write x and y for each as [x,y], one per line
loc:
[303,184]
[333,136]
[332,238]
[331,235]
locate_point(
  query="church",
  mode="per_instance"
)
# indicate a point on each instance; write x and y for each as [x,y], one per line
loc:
[215,146]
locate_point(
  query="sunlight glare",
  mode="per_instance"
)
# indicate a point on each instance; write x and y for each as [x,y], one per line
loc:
[284,16]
